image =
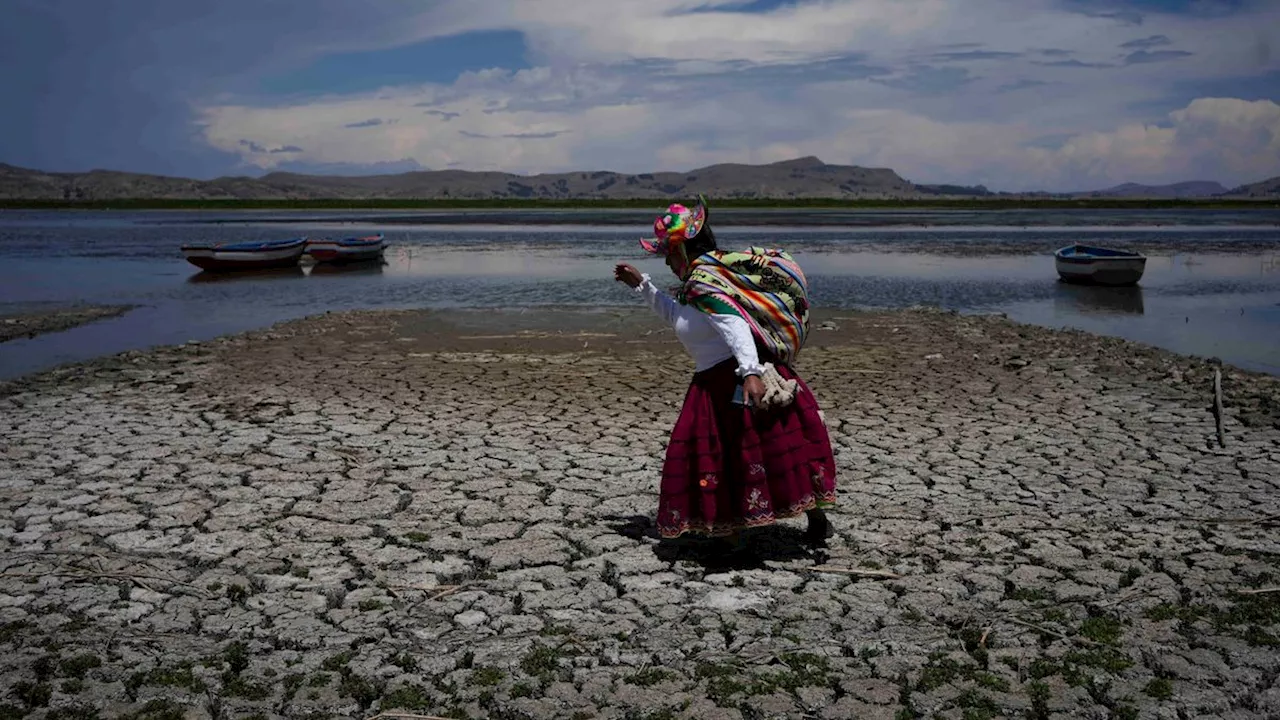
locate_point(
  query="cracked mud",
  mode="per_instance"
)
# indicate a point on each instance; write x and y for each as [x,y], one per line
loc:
[452,515]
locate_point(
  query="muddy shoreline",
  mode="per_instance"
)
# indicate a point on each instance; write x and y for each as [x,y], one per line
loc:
[452,514]
[29,325]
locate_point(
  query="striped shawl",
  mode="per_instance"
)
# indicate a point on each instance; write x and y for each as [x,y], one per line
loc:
[764,286]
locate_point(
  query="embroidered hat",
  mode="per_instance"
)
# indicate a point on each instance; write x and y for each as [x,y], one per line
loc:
[675,227]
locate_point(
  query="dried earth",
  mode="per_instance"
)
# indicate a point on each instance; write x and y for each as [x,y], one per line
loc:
[363,513]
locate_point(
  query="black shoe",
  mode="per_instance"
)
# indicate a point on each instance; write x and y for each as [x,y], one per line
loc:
[819,528]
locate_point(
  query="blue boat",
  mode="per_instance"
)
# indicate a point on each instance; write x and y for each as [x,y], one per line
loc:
[246,255]
[1090,265]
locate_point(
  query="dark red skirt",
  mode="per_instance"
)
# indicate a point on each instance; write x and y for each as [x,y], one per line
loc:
[728,467]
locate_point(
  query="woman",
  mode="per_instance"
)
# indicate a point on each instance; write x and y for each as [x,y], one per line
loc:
[731,463]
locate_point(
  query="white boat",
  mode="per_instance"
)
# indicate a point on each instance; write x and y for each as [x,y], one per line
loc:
[346,250]
[1089,265]
[246,255]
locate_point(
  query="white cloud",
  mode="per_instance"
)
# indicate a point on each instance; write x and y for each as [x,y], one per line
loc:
[1212,138]
[722,93]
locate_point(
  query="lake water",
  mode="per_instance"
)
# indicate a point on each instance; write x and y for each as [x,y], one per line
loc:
[1212,285]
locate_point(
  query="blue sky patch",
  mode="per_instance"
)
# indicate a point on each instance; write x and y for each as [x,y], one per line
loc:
[929,80]
[1020,85]
[745,6]
[973,55]
[1074,64]
[440,60]
[1146,43]
[1130,9]
[1250,88]
[1145,56]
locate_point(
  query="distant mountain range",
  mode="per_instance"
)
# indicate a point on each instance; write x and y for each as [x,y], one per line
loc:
[1193,189]
[806,177]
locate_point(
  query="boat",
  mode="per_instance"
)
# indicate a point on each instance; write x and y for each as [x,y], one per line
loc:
[346,250]
[246,255]
[1089,265]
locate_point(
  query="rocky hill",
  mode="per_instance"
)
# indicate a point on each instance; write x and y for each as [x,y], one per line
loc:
[1266,189]
[1192,189]
[801,178]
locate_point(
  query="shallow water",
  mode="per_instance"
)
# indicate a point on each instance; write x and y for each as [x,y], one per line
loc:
[1210,289]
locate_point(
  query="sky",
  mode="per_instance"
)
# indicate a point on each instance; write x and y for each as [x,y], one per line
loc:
[1057,95]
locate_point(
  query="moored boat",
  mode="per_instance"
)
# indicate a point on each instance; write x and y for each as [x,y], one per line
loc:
[346,250]
[1090,265]
[246,255]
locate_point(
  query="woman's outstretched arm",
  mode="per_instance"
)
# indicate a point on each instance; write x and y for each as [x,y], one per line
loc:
[661,303]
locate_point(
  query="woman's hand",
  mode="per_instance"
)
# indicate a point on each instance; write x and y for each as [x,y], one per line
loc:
[624,273]
[753,390]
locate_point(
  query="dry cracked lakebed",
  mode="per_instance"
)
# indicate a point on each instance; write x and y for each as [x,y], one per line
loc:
[452,516]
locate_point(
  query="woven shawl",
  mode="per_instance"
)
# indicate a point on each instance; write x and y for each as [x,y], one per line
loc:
[763,286]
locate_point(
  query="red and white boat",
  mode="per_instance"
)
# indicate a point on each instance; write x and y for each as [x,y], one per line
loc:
[346,250]
[246,255]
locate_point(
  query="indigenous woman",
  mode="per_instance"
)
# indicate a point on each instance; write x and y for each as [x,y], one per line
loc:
[738,456]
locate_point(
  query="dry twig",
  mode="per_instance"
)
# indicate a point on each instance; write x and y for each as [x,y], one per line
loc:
[1055,633]
[445,591]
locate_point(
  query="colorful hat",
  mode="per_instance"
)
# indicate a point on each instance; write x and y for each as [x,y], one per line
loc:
[675,227]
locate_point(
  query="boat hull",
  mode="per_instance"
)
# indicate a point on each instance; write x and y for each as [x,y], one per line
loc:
[351,250]
[1086,266]
[220,258]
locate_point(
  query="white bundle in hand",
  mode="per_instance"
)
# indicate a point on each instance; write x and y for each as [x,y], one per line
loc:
[778,392]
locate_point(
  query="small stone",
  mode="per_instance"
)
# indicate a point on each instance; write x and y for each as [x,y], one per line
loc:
[470,618]
[735,599]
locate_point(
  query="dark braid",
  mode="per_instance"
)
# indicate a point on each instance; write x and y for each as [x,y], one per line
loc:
[702,243]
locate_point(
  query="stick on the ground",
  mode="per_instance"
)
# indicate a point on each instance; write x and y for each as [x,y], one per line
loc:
[1259,591]
[405,716]
[1217,405]
[445,591]
[1055,633]
[883,574]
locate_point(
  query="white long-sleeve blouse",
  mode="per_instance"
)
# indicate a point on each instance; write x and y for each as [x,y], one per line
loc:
[709,339]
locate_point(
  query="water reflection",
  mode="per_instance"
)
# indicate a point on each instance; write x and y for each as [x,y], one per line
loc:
[367,267]
[511,261]
[204,276]
[1098,300]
